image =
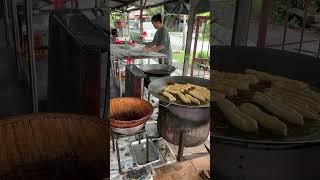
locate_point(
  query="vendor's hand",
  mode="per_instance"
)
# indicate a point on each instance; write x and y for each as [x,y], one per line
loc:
[146,49]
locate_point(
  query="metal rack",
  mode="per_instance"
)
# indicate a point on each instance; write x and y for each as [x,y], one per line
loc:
[115,145]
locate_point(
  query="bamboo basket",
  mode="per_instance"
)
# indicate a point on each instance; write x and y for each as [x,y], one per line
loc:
[45,145]
[128,112]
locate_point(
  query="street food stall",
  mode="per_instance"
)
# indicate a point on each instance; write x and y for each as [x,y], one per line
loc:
[57,134]
[159,119]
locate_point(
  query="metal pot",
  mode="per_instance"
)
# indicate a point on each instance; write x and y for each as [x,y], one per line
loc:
[157,86]
[250,157]
[174,120]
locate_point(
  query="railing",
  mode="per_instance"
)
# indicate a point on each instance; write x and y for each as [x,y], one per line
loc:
[200,65]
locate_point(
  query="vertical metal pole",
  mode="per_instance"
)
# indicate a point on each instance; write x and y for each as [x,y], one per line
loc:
[120,77]
[112,137]
[142,88]
[241,23]
[193,5]
[118,155]
[6,23]
[31,55]
[184,32]
[318,55]
[303,23]
[195,44]
[182,140]
[147,148]
[285,27]
[141,20]
[16,34]
[263,26]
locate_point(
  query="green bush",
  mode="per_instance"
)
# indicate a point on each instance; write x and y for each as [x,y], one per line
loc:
[294,23]
[278,12]
[313,7]
[202,54]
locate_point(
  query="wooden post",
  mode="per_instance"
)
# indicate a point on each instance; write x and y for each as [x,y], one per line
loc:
[241,23]
[193,5]
[263,26]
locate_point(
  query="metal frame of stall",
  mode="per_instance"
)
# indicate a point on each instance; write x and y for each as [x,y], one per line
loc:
[29,69]
[17,48]
[191,22]
[241,25]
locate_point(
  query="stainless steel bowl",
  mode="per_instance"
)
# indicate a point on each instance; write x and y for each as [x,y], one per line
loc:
[128,131]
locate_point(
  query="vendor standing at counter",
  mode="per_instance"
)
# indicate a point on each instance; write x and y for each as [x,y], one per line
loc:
[161,40]
[121,28]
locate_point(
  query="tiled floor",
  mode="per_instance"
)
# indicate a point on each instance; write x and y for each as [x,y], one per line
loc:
[196,159]
[187,170]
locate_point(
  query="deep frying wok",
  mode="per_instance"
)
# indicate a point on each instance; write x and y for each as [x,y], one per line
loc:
[245,156]
[308,133]
[156,87]
[282,63]
[176,118]
[157,70]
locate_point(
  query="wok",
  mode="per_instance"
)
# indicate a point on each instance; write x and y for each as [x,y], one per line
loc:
[157,70]
[308,133]
[277,62]
[240,155]
[157,86]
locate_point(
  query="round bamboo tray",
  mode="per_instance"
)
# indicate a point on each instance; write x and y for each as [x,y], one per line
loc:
[28,142]
[129,112]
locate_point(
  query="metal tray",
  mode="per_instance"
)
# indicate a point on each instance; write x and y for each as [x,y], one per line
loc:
[139,153]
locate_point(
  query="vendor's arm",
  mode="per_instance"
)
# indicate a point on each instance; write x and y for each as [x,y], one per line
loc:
[150,45]
[154,49]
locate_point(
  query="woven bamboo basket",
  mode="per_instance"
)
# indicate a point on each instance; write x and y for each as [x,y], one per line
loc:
[129,112]
[53,145]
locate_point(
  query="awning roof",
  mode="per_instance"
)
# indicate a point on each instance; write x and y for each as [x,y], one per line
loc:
[116,4]
[171,6]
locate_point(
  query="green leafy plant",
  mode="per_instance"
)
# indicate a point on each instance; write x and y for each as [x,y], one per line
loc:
[202,54]
[155,10]
[294,23]
[313,7]
[278,12]
[179,56]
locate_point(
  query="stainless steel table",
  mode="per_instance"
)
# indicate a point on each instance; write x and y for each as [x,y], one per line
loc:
[119,54]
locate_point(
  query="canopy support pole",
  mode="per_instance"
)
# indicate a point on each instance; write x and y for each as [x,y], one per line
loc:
[192,13]
[241,23]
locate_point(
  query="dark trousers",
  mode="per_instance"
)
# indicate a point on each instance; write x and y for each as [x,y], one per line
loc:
[165,61]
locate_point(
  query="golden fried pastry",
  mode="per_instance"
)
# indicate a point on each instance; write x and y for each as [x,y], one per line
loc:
[169,96]
[194,100]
